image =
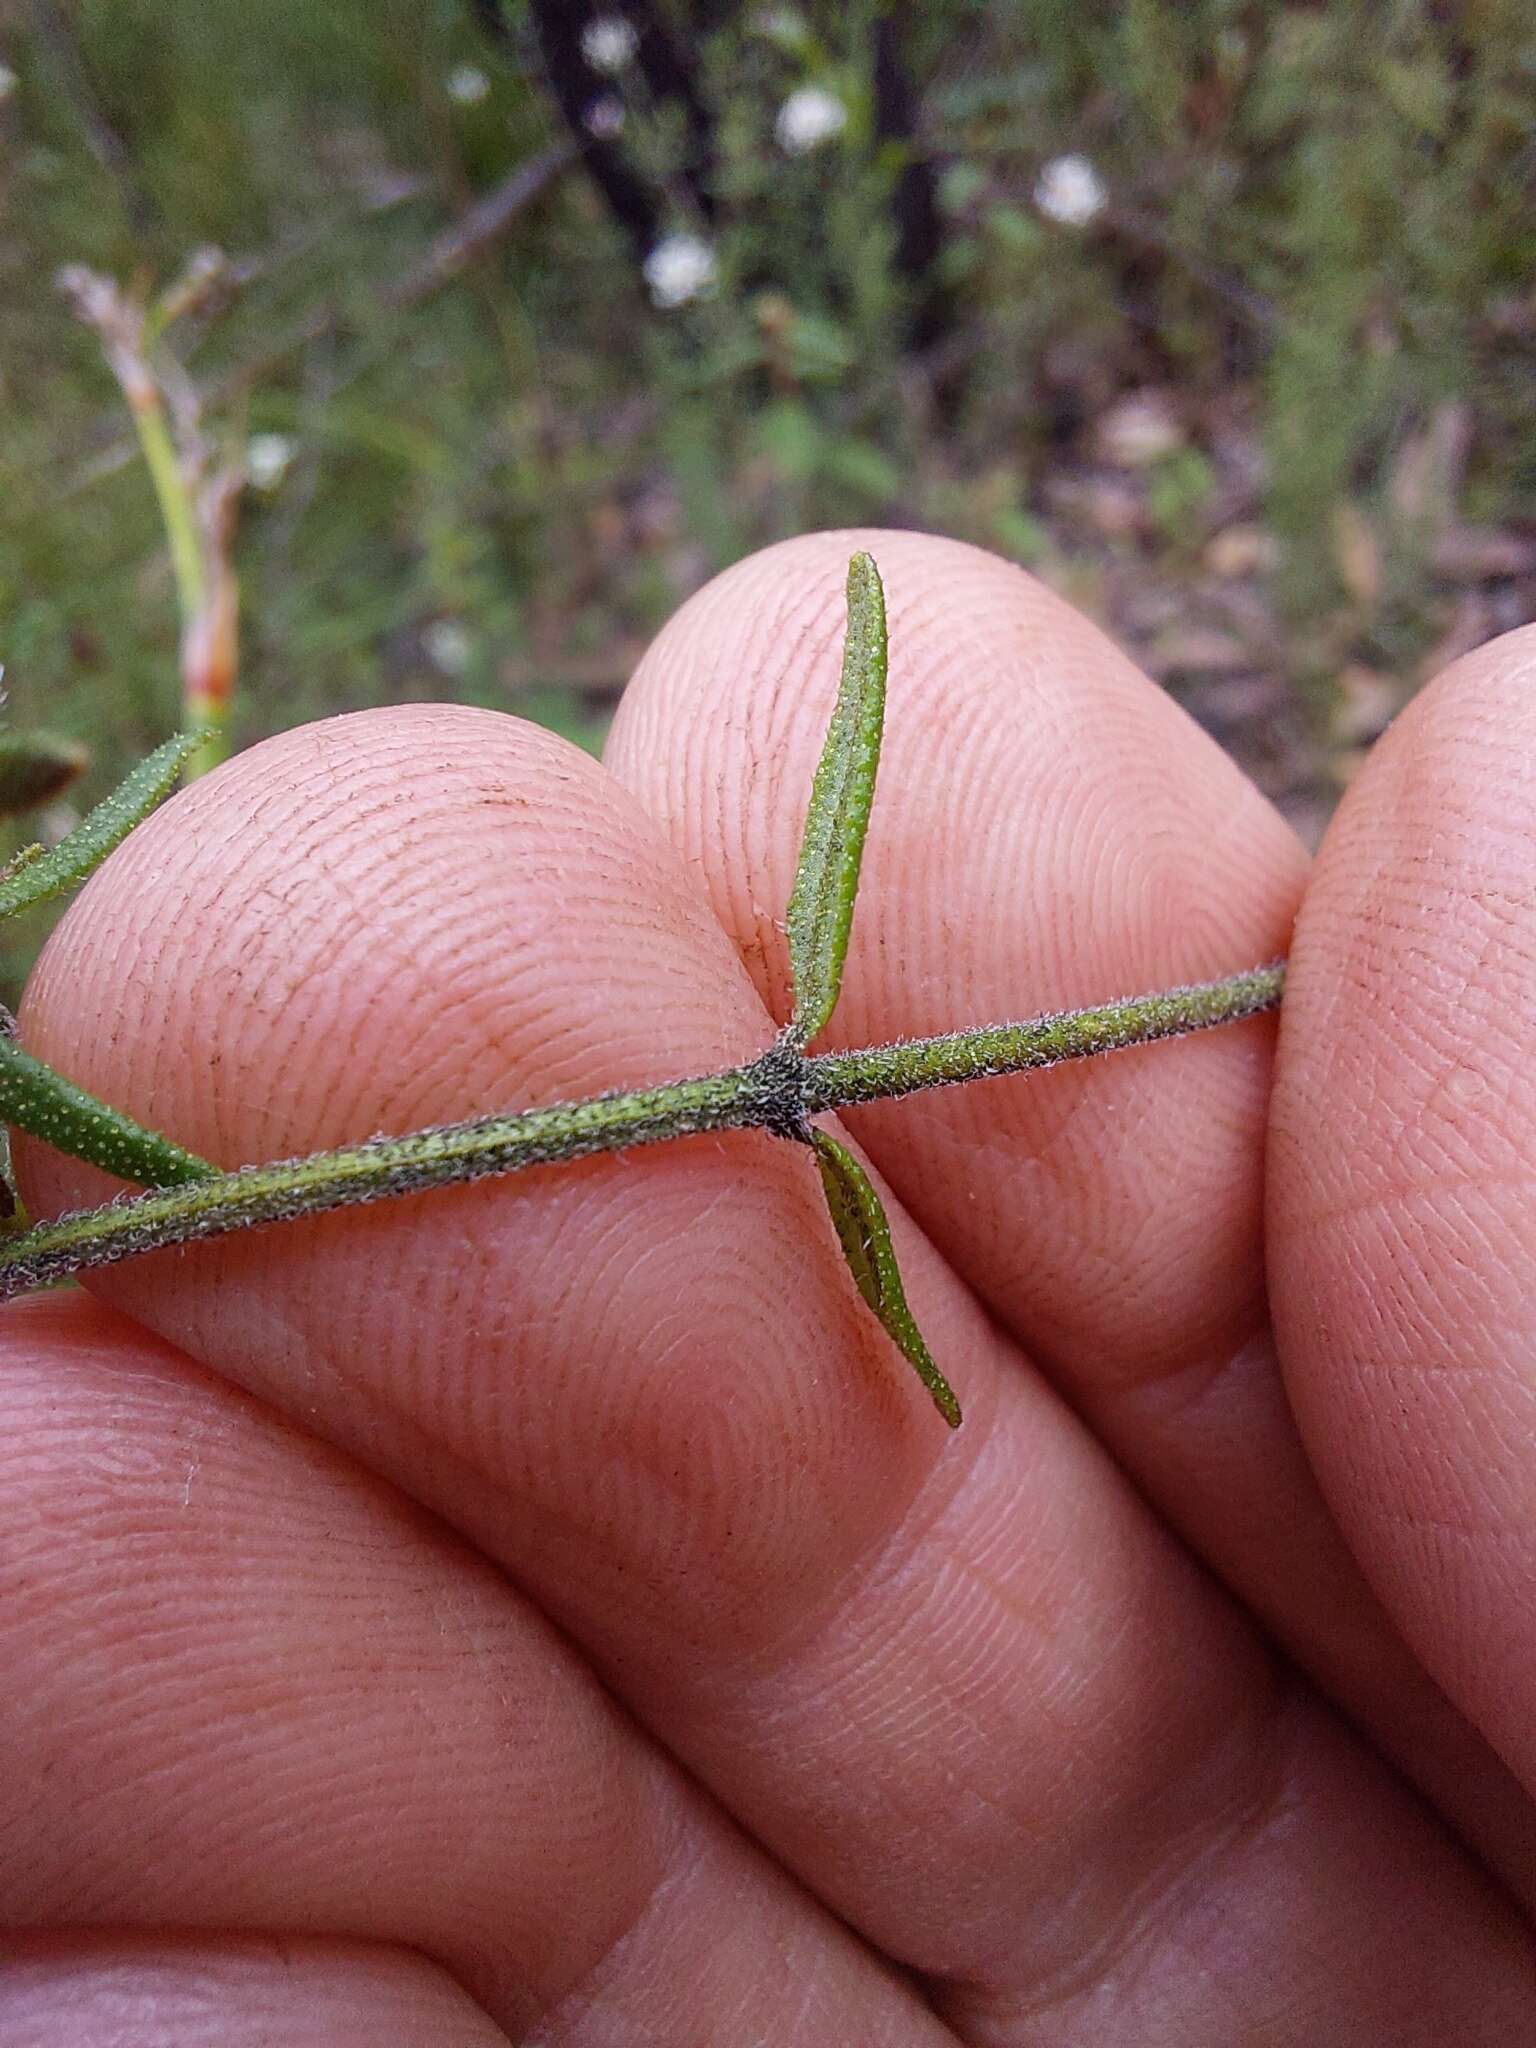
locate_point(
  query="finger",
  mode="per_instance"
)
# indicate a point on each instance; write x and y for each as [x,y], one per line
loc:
[179,1991]
[1051,831]
[249,1688]
[932,1673]
[1402,1149]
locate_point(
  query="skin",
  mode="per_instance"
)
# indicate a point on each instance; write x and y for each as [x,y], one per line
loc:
[549,1611]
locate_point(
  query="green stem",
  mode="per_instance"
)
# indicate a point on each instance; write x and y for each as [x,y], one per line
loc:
[839,1080]
[207,710]
[176,511]
[776,1092]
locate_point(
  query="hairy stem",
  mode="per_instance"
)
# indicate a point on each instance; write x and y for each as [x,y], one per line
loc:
[776,1093]
[839,1080]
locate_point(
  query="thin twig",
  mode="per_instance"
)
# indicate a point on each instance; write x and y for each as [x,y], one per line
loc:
[476,232]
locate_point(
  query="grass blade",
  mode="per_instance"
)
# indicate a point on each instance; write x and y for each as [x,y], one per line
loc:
[860,1221]
[66,865]
[827,879]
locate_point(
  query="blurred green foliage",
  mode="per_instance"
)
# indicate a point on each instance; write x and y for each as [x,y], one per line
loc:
[1317,222]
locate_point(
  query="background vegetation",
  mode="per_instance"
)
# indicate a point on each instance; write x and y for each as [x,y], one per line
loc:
[1218,314]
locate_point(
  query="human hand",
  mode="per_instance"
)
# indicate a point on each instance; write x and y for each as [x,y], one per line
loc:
[589,1633]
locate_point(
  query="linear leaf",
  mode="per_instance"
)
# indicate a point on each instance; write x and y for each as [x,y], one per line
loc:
[860,1221]
[36,1099]
[99,831]
[827,879]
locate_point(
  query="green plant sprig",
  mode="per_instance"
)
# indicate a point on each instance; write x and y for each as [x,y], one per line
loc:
[776,1093]
[64,867]
[33,1096]
[779,1092]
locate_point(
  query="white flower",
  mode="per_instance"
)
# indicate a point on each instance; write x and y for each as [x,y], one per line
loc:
[1070,190]
[779,25]
[808,118]
[1138,430]
[448,646]
[267,457]
[604,117]
[609,42]
[680,268]
[7,81]
[467,84]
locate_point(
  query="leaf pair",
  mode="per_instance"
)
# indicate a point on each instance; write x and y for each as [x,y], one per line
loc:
[819,921]
[33,1096]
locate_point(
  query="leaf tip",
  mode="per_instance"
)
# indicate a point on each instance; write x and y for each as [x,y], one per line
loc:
[859,1218]
[827,874]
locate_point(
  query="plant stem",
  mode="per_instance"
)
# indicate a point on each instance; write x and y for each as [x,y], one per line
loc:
[777,1092]
[840,1080]
[206,605]
[176,513]
[196,507]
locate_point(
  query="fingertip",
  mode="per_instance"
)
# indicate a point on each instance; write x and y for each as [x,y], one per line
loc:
[1402,1153]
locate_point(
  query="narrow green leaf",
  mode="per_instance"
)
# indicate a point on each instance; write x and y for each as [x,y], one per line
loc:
[99,831]
[859,1219]
[827,879]
[36,1099]
[35,767]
